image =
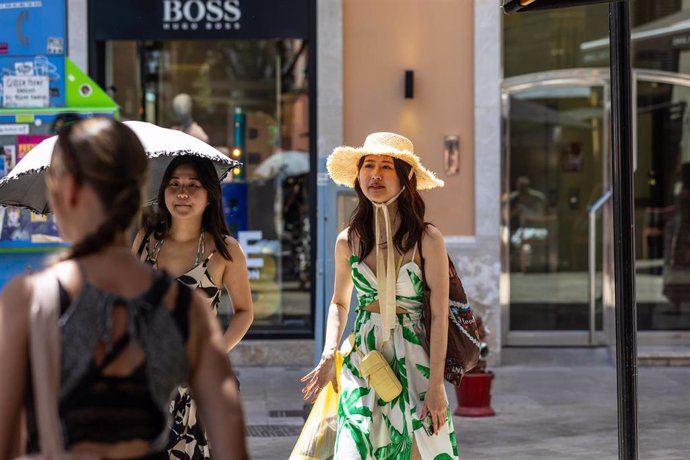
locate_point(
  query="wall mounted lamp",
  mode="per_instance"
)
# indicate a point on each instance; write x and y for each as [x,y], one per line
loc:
[409,84]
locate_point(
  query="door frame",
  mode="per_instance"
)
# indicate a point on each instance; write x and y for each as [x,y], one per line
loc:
[578,77]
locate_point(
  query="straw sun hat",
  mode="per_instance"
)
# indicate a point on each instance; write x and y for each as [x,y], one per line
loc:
[342,163]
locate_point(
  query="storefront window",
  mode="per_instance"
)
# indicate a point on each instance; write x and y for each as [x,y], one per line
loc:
[569,38]
[249,99]
[551,40]
[578,37]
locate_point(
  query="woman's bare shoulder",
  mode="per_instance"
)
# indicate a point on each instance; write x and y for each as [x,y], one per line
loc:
[432,238]
[139,238]
[17,293]
[432,233]
[234,248]
[343,235]
[231,243]
[342,243]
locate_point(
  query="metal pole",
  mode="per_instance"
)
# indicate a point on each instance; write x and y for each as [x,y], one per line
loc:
[623,229]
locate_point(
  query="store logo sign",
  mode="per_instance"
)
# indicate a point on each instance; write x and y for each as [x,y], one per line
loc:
[201,14]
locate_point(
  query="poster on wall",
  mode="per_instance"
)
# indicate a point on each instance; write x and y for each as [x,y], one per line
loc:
[23,226]
[10,154]
[26,143]
[16,225]
[43,229]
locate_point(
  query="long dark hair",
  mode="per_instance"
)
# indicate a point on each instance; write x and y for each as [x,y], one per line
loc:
[212,221]
[107,155]
[411,209]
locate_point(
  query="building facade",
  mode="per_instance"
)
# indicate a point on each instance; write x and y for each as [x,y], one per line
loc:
[527,216]
[511,111]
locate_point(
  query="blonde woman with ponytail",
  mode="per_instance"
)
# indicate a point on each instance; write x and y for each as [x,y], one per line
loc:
[128,334]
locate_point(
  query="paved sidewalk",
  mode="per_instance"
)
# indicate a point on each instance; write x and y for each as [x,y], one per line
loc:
[546,409]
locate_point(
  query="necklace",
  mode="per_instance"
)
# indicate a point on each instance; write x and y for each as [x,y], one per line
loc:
[200,250]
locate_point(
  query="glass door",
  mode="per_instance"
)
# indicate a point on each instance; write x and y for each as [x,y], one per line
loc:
[662,207]
[555,152]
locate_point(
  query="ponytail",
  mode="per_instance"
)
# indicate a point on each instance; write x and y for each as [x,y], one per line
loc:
[108,157]
[123,208]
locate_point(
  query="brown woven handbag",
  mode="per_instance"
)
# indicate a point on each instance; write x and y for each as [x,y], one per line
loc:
[464,345]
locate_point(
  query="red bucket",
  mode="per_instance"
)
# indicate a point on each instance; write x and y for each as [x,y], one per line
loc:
[474,395]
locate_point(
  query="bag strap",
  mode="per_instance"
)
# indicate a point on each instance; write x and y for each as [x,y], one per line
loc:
[421,258]
[144,242]
[44,349]
[452,272]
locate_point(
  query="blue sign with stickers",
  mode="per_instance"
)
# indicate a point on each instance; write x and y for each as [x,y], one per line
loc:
[35,27]
[32,53]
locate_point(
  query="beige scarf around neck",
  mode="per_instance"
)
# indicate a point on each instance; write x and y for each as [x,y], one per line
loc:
[386,279]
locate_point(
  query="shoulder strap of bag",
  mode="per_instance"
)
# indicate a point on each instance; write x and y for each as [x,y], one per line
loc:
[44,345]
[421,258]
[144,242]
[452,272]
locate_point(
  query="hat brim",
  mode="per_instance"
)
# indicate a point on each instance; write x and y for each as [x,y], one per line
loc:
[342,165]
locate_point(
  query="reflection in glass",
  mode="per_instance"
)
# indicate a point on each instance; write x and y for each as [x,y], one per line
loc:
[662,192]
[555,173]
[249,99]
[547,147]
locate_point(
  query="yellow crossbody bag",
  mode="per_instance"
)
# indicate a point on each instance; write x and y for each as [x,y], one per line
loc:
[376,370]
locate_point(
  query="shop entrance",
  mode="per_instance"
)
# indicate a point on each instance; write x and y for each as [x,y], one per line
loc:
[557,228]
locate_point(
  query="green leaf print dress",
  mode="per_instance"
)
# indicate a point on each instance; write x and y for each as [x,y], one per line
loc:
[368,427]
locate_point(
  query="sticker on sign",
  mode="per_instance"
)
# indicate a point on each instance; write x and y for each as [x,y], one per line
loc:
[27,91]
[16,5]
[13,130]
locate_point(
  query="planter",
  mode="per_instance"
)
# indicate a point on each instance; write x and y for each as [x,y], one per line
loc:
[474,395]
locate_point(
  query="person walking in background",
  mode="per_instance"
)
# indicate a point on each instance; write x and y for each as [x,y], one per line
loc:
[528,220]
[380,255]
[128,335]
[188,238]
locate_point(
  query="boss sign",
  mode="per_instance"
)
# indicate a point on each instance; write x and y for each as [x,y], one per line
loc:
[196,11]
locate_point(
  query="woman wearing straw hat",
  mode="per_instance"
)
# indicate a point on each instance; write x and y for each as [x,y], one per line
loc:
[379,254]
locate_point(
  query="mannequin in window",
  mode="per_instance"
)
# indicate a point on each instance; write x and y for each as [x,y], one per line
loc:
[182,105]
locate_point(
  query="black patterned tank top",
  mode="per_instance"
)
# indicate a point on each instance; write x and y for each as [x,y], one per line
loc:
[198,277]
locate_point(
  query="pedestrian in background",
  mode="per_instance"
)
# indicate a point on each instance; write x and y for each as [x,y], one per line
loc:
[189,230]
[128,335]
[380,254]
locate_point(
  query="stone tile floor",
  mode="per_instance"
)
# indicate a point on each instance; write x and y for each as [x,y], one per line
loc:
[550,404]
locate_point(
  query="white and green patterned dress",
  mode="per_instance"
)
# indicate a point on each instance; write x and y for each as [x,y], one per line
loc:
[368,427]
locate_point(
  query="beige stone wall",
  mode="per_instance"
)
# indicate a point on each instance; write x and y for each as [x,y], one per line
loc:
[434,38]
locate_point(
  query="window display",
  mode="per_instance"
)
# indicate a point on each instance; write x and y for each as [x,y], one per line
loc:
[250,100]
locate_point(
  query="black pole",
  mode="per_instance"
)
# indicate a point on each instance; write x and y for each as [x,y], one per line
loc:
[623,228]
